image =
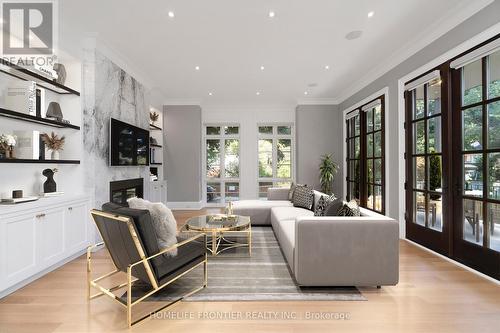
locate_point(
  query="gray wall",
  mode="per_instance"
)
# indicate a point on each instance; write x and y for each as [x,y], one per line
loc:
[182,126]
[466,30]
[318,132]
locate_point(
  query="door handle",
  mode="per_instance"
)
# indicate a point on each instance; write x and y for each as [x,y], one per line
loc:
[38,216]
[70,208]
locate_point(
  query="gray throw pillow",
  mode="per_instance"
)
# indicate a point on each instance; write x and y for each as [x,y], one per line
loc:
[350,208]
[333,208]
[323,202]
[303,197]
[292,189]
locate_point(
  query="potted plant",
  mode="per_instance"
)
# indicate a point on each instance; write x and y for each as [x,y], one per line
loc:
[7,144]
[327,171]
[154,117]
[54,143]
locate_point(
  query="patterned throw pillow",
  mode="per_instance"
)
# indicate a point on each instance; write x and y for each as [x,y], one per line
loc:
[292,189]
[323,203]
[350,208]
[303,197]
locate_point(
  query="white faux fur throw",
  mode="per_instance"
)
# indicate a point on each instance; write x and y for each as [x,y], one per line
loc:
[163,220]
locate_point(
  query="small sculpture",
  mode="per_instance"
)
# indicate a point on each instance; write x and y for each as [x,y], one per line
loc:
[49,185]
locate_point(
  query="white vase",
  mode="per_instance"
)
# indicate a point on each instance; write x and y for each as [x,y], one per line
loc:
[54,155]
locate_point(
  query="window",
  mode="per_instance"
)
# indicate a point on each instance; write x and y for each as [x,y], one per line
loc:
[222,163]
[365,155]
[275,157]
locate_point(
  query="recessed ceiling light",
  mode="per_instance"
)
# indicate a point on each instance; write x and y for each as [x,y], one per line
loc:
[305,93]
[354,35]
[210,94]
[262,68]
[327,67]
[151,109]
[171,14]
[197,68]
[272,14]
[257,93]
[370,14]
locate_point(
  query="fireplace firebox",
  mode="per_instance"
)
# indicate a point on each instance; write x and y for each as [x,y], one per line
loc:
[121,190]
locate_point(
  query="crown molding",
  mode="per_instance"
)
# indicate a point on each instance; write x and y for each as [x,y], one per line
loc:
[317,101]
[458,15]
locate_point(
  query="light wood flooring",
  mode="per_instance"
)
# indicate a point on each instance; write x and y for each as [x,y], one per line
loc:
[433,295]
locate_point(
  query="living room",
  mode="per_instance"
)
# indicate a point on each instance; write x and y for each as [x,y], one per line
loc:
[259,166]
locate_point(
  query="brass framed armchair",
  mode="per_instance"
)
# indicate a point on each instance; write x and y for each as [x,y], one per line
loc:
[130,239]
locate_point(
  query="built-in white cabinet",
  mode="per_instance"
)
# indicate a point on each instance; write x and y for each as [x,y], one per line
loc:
[37,237]
[157,191]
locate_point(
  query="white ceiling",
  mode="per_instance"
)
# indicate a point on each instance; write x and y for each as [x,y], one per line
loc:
[231,39]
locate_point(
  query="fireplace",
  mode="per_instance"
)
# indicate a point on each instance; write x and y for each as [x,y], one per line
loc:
[121,190]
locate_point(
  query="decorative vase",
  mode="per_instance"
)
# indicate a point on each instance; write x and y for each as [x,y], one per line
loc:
[50,185]
[54,155]
[10,152]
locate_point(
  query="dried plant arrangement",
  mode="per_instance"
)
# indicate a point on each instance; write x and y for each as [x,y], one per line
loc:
[53,141]
[154,116]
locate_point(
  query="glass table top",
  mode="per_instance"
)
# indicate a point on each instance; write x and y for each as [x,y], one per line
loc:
[217,222]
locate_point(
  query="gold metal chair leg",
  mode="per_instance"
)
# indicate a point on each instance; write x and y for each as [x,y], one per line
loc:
[205,271]
[129,296]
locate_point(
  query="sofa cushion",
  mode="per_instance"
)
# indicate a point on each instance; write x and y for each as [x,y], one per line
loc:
[323,203]
[258,210]
[288,213]
[303,197]
[287,240]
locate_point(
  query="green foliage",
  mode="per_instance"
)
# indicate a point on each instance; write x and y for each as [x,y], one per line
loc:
[327,171]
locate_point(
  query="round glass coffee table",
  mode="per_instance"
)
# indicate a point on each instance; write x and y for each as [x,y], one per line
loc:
[218,228]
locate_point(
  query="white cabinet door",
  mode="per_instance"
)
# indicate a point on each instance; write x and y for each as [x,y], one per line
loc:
[163,193]
[50,230]
[18,255]
[76,227]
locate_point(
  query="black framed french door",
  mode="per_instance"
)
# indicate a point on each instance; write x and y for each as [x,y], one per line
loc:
[476,155]
[428,162]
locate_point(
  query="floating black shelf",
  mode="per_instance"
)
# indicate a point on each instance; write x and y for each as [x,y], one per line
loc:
[23,160]
[27,75]
[34,119]
[154,127]
[154,163]
[155,146]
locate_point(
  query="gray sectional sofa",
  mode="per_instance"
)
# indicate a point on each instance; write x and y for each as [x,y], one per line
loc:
[332,250]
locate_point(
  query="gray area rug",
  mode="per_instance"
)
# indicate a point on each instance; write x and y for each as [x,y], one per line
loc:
[234,276]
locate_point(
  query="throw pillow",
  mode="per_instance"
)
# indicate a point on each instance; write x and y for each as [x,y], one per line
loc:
[163,220]
[292,189]
[350,208]
[303,197]
[322,204]
[333,208]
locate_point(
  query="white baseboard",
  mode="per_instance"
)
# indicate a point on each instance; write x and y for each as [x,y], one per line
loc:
[489,278]
[185,205]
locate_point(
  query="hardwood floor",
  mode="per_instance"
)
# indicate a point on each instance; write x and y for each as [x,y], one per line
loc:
[433,295]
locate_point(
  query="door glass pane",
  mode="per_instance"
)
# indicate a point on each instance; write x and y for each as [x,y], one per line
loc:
[263,186]
[213,158]
[232,158]
[352,148]
[378,171]
[284,166]
[369,120]
[265,129]
[378,117]
[266,158]
[369,201]
[494,125]
[434,98]
[357,148]
[378,198]
[435,173]
[473,174]
[369,165]
[419,137]
[378,144]
[231,130]
[213,192]
[434,135]
[435,212]
[472,89]
[419,208]
[419,173]
[284,130]
[494,176]
[472,127]
[419,107]
[494,226]
[494,75]
[369,145]
[357,170]
[354,190]
[213,130]
[473,221]
[232,191]
[356,125]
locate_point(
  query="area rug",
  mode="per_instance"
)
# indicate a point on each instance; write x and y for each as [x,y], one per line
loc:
[234,276]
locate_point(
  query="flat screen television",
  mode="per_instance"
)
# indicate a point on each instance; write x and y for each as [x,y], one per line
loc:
[129,144]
